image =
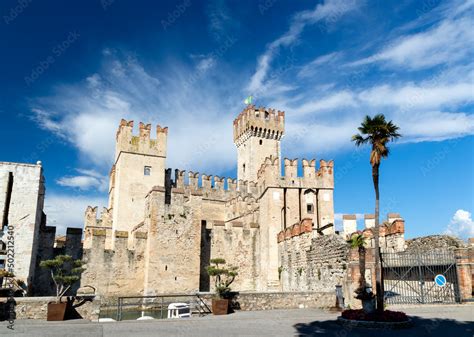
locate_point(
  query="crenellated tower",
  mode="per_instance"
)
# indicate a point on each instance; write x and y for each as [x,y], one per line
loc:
[257,135]
[140,163]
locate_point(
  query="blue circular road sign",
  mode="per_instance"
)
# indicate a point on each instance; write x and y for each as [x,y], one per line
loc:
[440,280]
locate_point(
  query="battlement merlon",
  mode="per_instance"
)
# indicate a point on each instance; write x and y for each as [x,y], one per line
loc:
[179,178]
[323,177]
[141,144]
[91,220]
[215,185]
[91,223]
[309,168]
[325,173]
[269,171]
[259,122]
[291,168]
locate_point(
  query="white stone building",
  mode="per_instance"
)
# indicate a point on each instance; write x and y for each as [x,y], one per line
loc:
[21,212]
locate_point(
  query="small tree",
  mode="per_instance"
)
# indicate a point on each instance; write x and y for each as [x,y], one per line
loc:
[357,240]
[223,276]
[65,271]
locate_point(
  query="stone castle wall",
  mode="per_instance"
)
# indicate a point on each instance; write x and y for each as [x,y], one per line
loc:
[238,245]
[313,264]
[165,253]
[119,271]
[190,221]
[43,284]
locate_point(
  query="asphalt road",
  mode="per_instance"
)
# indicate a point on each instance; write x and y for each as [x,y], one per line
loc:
[446,321]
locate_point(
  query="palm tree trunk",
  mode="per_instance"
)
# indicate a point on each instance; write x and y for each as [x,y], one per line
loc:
[378,271]
[362,281]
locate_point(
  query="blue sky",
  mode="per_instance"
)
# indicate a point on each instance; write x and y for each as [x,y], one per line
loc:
[70,72]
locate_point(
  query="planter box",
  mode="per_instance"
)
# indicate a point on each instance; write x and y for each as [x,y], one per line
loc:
[56,311]
[220,306]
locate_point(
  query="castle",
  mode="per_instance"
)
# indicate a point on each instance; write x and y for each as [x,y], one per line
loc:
[159,232]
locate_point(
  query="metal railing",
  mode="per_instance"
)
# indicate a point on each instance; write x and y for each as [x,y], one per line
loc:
[147,303]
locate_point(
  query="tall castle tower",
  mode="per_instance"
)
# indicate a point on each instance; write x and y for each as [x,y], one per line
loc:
[139,165]
[257,135]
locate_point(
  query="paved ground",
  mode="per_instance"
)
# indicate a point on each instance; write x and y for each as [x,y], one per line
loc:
[446,321]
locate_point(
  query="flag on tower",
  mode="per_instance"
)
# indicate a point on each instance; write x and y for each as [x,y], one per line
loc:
[248,100]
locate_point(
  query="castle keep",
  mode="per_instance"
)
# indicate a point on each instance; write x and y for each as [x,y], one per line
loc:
[160,230]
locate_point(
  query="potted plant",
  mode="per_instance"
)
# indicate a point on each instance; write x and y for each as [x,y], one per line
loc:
[223,279]
[9,285]
[65,271]
[367,297]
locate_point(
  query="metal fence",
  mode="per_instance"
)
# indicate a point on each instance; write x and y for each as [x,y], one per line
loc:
[157,306]
[409,277]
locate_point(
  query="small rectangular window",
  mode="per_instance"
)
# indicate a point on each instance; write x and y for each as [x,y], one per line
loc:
[309,208]
[147,170]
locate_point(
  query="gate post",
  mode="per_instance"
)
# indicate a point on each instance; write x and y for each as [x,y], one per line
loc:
[463,268]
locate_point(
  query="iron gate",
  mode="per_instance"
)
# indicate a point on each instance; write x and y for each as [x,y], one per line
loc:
[409,277]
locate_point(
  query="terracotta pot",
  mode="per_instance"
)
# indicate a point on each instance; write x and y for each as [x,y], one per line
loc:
[56,311]
[220,306]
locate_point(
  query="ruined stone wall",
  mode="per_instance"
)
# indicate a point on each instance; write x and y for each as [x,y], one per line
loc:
[312,264]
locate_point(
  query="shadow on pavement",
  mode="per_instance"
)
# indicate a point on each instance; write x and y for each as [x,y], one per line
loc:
[421,327]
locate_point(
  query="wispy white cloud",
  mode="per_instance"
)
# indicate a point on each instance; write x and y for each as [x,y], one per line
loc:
[435,126]
[220,19]
[329,10]
[461,225]
[86,180]
[445,42]
[418,96]
[335,100]
[199,113]
[46,120]
[311,68]
[318,136]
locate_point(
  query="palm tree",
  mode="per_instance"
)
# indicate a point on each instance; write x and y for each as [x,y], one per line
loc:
[378,133]
[357,240]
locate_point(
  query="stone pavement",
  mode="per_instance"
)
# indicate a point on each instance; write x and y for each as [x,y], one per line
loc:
[446,321]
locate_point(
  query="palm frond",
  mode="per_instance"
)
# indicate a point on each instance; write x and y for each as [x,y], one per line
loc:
[378,132]
[359,140]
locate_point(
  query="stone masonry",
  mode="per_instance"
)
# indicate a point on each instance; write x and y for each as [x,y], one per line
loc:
[22,193]
[159,232]
[21,210]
